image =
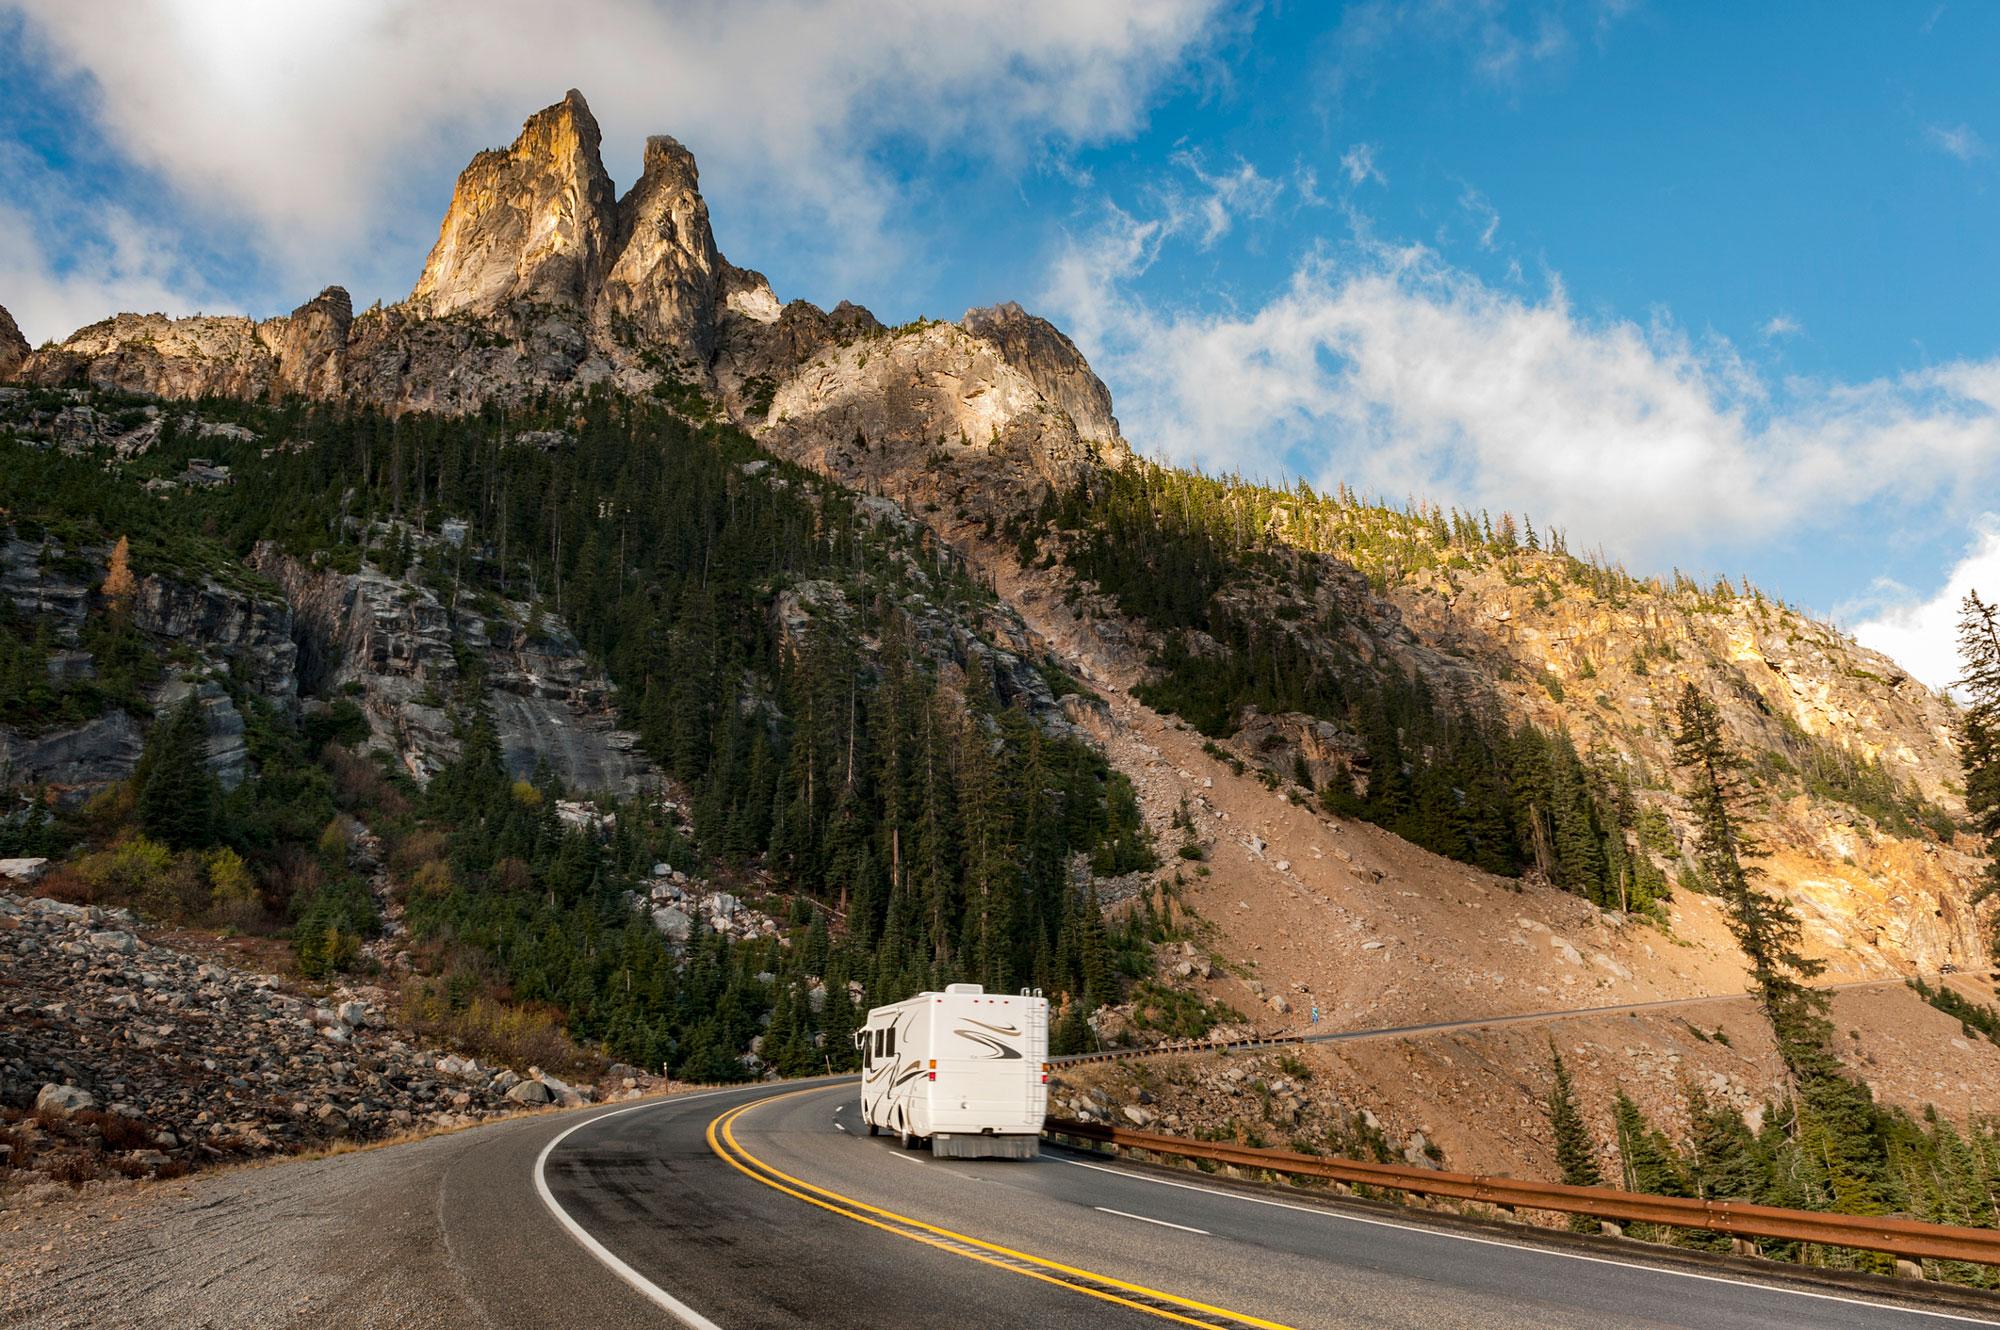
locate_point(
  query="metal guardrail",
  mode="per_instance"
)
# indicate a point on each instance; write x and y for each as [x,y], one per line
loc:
[1910,1239]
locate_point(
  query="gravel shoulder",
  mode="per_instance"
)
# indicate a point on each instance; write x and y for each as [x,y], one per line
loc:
[355,1238]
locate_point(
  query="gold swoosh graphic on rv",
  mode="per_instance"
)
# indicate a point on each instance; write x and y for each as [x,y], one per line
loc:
[997,1029]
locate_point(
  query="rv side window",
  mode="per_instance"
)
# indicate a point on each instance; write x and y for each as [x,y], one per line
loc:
[878,1043]
[892,1041]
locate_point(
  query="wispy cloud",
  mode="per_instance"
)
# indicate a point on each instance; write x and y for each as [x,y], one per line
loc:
[1504,43]
[1240,192]
[1359,163]
[1961,141]
[1921,632]
[1485,217]
[1385,366]
[1780,325]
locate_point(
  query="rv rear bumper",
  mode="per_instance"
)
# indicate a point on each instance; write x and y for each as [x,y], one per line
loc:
[968,1145]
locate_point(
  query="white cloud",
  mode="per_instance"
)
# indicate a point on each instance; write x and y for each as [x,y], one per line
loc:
[1359,163]
[316,121]
[1782,324]
[1390,369]
[1961,141]
[1921,634]
[117,264]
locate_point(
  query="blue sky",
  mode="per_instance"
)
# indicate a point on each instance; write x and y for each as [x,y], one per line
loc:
[1710,285]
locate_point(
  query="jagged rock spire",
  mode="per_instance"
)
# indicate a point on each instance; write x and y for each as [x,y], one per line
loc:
[535,222]
[665,282]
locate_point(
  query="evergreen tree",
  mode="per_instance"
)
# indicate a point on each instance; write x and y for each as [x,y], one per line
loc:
[1764,926]
[1576,1156]
[1979,729]
[176,795]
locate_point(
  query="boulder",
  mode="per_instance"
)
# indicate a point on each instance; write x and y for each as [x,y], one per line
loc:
[532,1093]
[64,1099]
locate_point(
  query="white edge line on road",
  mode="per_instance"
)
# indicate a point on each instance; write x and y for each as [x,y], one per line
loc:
[1122,1214]
[672,1305]
[1545,1251]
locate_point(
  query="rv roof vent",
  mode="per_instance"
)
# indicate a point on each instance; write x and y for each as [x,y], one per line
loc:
[963,988]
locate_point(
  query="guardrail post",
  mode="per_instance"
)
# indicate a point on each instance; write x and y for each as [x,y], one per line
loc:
[1610,1228]
[1906,1269]
[1744,1247]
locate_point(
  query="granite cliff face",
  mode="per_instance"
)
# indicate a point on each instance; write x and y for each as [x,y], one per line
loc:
[393,646]
[542,277]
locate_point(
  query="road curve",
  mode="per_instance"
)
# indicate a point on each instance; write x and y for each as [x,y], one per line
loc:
[768,1207]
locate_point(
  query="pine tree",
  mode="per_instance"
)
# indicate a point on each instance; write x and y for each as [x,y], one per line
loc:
[1650,1164]
[176,796]
[1576,1157]
[1765,926]
[1979,730]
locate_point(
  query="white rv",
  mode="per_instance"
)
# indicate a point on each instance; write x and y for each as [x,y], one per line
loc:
[965,1070]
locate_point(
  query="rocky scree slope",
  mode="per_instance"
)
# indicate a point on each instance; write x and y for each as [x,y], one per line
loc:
[140,1059]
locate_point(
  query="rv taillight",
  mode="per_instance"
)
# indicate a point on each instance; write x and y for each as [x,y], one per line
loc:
[933,1064]
[1045,1078]
[933,1076]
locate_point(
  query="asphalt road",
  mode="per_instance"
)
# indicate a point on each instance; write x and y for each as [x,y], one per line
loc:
[766,1206]
[783,1214]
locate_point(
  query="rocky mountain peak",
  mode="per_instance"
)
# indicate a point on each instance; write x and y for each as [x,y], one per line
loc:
[535,221]
[1042,352]
[665,282]
[13,346]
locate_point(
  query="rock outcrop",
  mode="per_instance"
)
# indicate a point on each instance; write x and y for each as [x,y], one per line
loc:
[240,629]
[311,345]
[1051,362]
[13,346]
[393,646]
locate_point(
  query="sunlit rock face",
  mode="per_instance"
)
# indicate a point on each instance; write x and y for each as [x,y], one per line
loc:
[534,222]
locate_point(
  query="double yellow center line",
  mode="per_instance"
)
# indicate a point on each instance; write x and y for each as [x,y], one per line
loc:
[1151,1301]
